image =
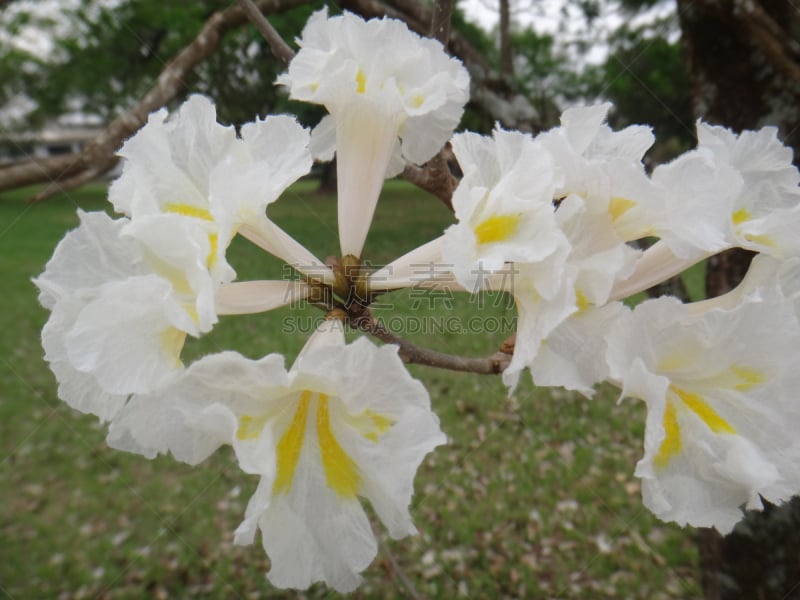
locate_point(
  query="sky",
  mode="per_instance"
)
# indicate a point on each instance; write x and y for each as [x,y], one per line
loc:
[564,18]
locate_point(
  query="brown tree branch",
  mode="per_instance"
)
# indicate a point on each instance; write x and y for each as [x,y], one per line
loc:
[397,572]
[98,157]
[506,55]
[774,42]
[280,49]
[412,354]
[440,24]
[434,177]
[68,171]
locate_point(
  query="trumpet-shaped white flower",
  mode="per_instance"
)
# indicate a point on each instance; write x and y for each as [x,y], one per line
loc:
[192,168]
[380,83]
[576,286]
[731,191]
[345,421]
[604,167]
[504,206]
[117,326]
[126,293]
[124,301]
[765,213]
[766,275]
[573,355]
[721,403]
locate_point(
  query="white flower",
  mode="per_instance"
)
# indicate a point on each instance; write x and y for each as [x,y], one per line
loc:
[380,83]
[552,293]
[574,354]
[194,169]
[722,415]
[697,190]
[345,421]
[731,191]
[765,213]
[117,327]
[504,206]
[122,306]
[604,167]
[766,275]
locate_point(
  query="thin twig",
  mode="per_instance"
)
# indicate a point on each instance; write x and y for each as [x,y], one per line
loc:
[440,25]
[63,185]
[399,573]
[410,353]
[280,49]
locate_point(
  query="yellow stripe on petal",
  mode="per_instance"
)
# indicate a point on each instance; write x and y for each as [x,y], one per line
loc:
[703,410]
[671,445]
[213,242]
[187,210]
[341,472]
[581,301]
[761,239]
[250,427]
[289,447]
[748,377]
[380,422]
[619,206]
[172,341]
[497,228]
[361,81]
[740,216]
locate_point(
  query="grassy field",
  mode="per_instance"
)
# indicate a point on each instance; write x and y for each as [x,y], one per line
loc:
[533,497]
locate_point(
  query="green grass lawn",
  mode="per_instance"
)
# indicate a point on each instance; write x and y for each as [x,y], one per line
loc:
[533,497]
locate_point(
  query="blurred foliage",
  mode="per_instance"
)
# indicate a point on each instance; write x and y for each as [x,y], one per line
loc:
[106,55]
[646,79]
[547,75]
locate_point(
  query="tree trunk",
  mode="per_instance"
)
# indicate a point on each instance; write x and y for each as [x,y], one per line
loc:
[506,56]
[743,60]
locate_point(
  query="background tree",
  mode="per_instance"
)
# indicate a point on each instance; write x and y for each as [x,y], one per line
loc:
[646,79]
[744,64]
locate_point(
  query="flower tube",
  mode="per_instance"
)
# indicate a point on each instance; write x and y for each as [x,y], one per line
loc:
[390,95]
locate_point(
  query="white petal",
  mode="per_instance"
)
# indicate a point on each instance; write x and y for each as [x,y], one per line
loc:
[180,250]
[274,154]
[422,264]
[130,337]
[88,257]
[247,297]
[311,535]
[80,390]
[323,139]
[166,422]
[574,355]
[265,234]
[365,139]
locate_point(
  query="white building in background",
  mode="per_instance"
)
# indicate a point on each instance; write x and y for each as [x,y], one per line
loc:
[54,139]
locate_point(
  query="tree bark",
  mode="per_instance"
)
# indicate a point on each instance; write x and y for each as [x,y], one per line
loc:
[743,60]
[506,56]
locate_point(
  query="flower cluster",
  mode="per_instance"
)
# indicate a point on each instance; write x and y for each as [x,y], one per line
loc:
[566,212]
